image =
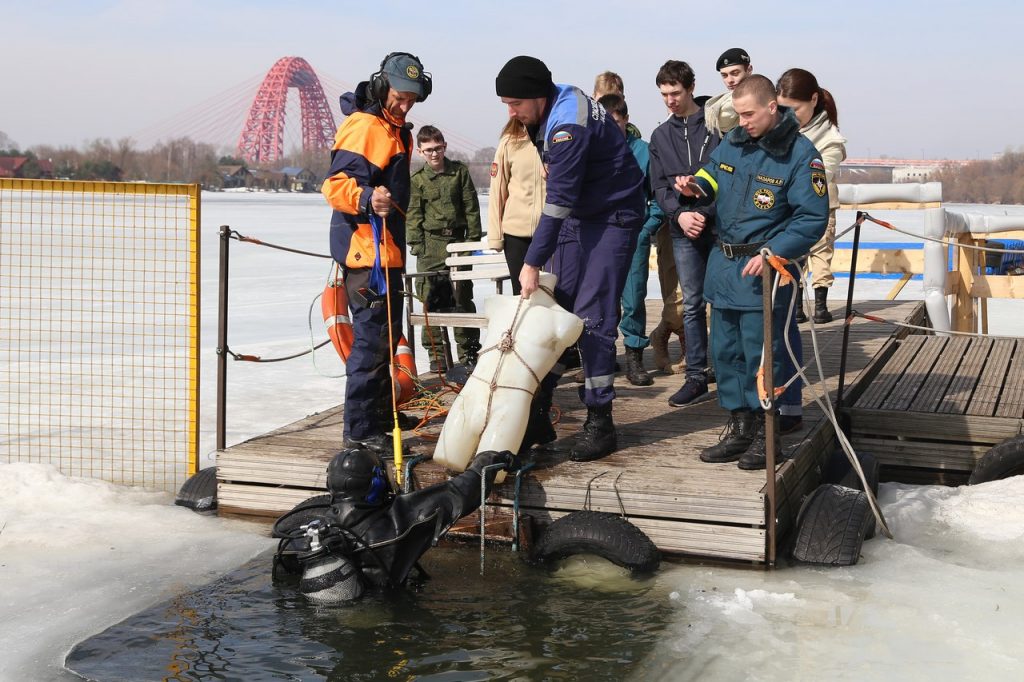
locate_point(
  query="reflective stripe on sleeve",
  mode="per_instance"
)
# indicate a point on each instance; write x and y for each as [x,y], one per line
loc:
[704,175]
[556,211]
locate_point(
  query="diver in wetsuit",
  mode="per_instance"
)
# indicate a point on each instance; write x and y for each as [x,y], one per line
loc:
[367,536]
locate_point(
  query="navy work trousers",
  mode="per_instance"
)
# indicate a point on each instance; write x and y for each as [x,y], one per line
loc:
[591,262]
[368,369]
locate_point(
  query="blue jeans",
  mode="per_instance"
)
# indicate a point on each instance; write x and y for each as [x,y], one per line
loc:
[691,256]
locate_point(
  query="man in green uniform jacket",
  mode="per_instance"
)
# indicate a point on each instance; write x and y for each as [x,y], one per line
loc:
[443,209]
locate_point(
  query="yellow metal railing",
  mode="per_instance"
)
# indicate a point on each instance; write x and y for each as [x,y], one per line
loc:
[99,328]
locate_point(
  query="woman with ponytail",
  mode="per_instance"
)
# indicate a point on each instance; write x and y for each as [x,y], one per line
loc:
[819,122]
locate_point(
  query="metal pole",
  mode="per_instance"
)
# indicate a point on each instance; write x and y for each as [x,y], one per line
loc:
[222,337]
[769,414]
[849,309]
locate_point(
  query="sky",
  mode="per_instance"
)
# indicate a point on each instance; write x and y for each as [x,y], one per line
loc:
[912,79]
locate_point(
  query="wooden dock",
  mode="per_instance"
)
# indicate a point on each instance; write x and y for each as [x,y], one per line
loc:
[687,507]
[938,403]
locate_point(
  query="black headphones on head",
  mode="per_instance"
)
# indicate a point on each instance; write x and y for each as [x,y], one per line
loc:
[378,89]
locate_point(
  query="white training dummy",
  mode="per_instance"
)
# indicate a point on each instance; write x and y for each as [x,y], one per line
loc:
[523,343]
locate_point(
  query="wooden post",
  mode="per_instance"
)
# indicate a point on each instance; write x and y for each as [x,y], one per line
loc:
[769,414]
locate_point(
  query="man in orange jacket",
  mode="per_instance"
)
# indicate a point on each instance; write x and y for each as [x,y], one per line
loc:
[368,188]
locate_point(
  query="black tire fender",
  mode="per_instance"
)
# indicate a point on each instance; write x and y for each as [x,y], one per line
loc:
[1004,460]
[832,525]
[314,508]
[199,492]
[606,535]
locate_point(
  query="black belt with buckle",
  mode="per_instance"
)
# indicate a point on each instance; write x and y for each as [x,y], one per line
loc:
[740,250]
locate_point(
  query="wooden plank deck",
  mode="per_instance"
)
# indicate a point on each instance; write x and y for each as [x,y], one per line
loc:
[940,403]
[687,507]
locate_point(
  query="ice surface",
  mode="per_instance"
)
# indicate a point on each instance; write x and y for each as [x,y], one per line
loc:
[942,601]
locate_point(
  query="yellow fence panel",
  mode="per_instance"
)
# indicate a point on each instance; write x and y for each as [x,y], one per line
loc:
[99,329]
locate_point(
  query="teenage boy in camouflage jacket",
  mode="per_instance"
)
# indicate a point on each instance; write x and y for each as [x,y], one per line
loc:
[443,209]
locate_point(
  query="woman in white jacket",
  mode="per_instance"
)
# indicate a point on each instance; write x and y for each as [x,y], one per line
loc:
[815,109]
[516,197]
[819,122]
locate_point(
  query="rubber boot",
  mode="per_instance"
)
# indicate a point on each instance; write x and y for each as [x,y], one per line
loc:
[440,351]
[635,373]
[821,313]
[539,430]
[659,344]
[801,316]
[739,433]
[597,439]
[754,456]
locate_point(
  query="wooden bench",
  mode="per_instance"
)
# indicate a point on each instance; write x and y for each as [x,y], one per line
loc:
[467,261]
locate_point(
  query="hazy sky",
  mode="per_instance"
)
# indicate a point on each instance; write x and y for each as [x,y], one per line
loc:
[933,79]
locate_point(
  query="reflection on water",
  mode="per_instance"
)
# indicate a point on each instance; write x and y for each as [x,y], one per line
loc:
[588,620]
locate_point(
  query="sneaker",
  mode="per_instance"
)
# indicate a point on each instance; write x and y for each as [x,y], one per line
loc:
[709,375]
[790,423]
[690,392]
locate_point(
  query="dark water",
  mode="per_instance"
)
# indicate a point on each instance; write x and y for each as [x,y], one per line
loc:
[515,622]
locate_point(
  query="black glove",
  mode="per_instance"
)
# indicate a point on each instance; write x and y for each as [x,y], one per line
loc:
[489,458]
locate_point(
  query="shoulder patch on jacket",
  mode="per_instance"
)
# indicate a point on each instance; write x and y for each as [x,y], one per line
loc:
[768,180]
[561,136]
[764,199]
[494,170]
[819,184]
[726,167]
[816,164]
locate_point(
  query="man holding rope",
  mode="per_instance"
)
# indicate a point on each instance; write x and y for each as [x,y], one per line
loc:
[369,177]
[767,182]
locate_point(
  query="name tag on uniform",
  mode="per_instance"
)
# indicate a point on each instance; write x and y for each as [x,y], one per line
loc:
[768,180]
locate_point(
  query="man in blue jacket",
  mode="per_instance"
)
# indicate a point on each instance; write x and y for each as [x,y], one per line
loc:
[593,211]
[768,184]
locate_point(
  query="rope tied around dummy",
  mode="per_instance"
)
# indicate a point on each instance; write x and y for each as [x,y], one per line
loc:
[507,346]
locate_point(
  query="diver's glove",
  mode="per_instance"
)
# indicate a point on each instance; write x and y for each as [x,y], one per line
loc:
[491,457]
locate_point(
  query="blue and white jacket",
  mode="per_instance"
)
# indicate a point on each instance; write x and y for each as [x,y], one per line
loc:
[591,173]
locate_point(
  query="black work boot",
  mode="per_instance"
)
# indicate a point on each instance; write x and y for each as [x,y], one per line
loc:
[635,367]
[800,316]
[754,456]
[597,439]
[821,313]
[739,432]
[539,430]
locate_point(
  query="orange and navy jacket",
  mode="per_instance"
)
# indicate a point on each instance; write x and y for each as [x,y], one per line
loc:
[371,149]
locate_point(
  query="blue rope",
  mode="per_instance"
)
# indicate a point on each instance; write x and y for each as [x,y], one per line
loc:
[378,280]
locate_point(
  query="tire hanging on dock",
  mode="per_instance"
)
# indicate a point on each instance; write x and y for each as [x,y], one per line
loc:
[199,491]
[1003,461]
[606,535]
[832,525]
[334,305]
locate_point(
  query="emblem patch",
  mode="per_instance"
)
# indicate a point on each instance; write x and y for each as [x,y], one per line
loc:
[494,170]
[768,180]
[764,199]
[561,136]
[819,184]
[726,167]
[816,164]
[412,72]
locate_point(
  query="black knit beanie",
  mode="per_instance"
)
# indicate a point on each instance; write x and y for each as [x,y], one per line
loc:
[523,77]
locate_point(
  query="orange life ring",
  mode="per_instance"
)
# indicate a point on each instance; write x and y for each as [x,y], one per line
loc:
[334,305]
